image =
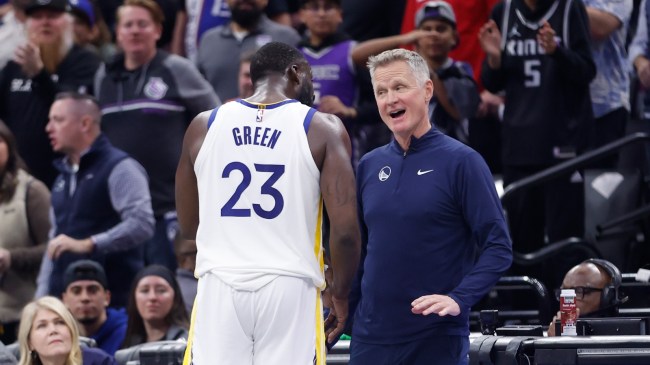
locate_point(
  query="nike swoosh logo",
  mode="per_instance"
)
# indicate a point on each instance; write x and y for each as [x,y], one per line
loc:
[420,172]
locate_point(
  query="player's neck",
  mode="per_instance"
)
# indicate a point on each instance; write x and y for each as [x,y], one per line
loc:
[269,91]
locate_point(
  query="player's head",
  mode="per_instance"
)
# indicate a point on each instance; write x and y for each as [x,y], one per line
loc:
[285,61]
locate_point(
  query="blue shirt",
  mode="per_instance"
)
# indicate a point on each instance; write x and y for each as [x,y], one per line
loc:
[111,334]
[431,223]
[610,89]
[95,356]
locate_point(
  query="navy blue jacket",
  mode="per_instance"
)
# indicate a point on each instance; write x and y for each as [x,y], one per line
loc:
[431,223]
[111,334]
[89,211]
[95,356]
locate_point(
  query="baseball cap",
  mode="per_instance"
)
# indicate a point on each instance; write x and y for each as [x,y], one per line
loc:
[56,5]
[435,10]
[84,9]
[84,270]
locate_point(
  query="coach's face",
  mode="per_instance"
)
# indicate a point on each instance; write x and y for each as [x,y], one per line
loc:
[403,103]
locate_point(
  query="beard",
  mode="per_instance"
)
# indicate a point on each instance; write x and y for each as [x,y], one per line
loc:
[246,18]
[306,95]
[88,320]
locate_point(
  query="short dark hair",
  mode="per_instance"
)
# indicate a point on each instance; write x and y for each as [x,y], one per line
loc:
[274,58]
[84,270]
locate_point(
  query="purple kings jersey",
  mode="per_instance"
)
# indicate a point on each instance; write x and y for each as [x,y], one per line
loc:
[333,72]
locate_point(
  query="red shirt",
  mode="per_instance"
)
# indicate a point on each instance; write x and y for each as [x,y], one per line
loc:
[470,17]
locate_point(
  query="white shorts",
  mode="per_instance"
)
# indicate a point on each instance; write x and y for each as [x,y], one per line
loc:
[279,324]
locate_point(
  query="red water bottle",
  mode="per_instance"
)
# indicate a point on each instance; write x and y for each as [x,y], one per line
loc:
[568,312]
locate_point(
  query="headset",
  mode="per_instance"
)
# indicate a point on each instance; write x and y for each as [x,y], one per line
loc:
[611,296]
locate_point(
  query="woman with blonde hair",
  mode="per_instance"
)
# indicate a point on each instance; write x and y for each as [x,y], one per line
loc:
[48,335]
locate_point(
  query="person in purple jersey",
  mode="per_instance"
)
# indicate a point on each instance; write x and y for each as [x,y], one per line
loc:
[433,232]
[336,86]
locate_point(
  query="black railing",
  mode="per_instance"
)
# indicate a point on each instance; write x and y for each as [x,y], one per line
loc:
[562,169]
[573,164]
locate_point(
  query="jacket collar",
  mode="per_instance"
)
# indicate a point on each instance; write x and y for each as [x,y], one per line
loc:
[418,144]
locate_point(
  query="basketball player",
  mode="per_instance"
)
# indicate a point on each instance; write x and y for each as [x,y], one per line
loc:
[250,185]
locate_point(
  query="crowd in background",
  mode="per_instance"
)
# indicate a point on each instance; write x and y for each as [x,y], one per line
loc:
[547,91]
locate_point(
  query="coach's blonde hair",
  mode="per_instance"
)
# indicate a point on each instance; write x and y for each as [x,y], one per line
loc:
[416,63]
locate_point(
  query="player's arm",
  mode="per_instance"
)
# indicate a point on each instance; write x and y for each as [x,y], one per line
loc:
[330,145]
[187,193]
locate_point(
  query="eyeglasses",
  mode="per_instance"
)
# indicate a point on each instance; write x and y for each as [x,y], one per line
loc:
[581,291]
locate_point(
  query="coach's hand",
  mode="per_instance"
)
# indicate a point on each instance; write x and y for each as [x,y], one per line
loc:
[441,305]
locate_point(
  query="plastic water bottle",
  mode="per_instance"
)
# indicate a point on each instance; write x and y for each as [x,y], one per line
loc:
[568,312]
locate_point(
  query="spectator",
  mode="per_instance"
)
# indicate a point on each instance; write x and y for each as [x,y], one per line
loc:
[193,19]
[365,20]
[49,335]
[251,268]
[148,97]
[329,52]
[24,224]
[639,57]
[101,207]
[12,30]
[470,16]
[156,310]
[186,256]
[538,52]
[485,128]
[47,63]
[247,29]
[87,299]
[245,84]
[610,94]
[283,12]
[597,284]
[428,209]
[90,30]
[456,95]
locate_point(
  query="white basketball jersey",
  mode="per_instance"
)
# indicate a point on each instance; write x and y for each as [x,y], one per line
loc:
[260,208]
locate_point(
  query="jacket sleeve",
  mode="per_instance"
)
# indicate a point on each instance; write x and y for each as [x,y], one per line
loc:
[484,215]
[197,94]
[575,60]
[494,80]
[76,74]
[129,192]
